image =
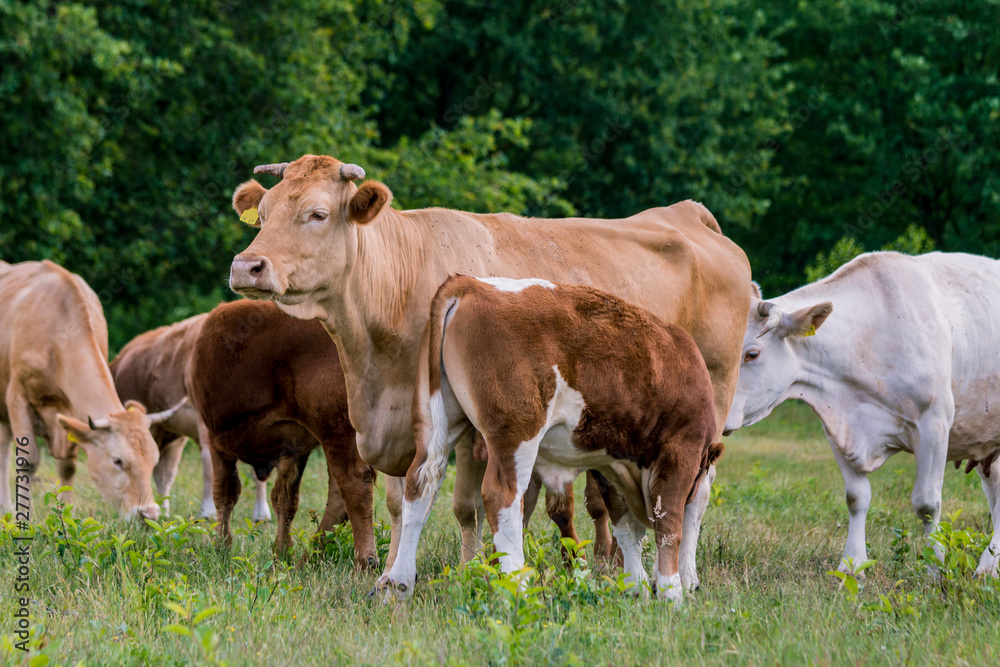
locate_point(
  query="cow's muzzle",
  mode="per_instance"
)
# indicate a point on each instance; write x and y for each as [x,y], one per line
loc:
[253,276]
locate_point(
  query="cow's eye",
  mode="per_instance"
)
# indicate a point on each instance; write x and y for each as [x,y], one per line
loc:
[751,355]
[118,462]
[318,215]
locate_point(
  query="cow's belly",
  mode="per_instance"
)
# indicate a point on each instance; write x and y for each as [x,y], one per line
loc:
[976,431]
[560,461]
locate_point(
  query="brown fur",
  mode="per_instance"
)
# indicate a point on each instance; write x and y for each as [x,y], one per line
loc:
[270,389]
[372,286]
[369,201]
[648,395]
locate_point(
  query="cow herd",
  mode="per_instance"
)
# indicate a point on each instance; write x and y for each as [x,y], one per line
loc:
[534,350]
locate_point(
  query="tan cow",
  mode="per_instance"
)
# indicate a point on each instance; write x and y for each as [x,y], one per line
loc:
[54,369]
[331,250]
[560,379]
[154,368]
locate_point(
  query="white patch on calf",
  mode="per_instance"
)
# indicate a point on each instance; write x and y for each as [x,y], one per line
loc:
[516,284]
[432,470]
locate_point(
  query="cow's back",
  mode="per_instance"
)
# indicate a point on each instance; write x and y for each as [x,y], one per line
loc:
[151,368]
[52,327]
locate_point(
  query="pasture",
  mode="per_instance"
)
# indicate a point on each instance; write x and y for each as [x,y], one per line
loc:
[110,593]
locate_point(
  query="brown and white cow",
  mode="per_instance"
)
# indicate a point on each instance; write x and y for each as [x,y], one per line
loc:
[154,368]
[270,389]
[560,379]
[330,250]
[54,370]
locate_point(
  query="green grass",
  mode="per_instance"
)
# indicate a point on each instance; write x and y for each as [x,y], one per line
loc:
[776,524]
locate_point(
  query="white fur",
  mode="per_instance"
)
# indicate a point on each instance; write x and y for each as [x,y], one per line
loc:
[630,532]
[907,361]
[516,284]
[261,512]
[669,588]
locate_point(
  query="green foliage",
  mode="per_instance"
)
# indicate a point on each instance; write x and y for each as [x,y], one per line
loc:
[914,241]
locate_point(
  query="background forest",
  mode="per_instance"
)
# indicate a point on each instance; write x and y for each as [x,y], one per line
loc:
[813,130]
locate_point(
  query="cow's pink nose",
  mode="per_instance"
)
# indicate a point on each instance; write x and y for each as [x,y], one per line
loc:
[151,512]
[247,270]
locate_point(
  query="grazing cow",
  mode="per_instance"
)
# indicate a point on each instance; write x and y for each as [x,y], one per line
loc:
[54,370]
[912,364]
[270,389]
[560,379]
[155,370]
[331,250]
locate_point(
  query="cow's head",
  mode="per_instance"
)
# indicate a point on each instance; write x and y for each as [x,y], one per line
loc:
[770,363]
[121,455]
[307,242]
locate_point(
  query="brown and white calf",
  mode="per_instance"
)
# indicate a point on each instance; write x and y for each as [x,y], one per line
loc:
[154,368]
[560,379]
[270,389]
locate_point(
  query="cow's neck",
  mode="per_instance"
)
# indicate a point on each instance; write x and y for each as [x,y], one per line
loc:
[88,385]
[372,319]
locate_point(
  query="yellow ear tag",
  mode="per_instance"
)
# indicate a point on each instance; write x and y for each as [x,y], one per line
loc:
[72,438]
[130,408]
[811,331]
[250,216]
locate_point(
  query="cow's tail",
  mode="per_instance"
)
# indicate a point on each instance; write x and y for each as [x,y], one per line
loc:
[708,458]
[430,423]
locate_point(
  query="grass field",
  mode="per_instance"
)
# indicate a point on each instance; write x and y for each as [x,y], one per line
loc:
[776,524]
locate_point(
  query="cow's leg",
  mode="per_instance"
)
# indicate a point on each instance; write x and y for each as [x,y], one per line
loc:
[531,498]
[560,506]
[394,488]
[597,508]
[63,451]
[285,496]
[508,474]
[166,469]
[467,503]
[629,532]
[988,564]
[669,486]
[261,512]
[6,448]
[931,453]
[21,425]
[355,481]
[207,476]
[226,491]
[858,493]
[694,512]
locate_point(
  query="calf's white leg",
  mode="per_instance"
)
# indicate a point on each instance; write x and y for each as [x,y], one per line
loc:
[694,512]
[988,564]
[629,531]
[858,494]
[423,481]
[503,503]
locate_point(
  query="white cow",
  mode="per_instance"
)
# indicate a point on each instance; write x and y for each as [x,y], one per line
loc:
[911,362]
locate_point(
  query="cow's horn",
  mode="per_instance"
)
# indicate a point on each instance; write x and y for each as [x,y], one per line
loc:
[277,169]
[773,315]
[96,424]
[158,417]
[351,172]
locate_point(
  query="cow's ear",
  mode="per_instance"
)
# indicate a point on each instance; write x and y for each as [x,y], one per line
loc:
[755,292]
[371,199]
[76,431]
[248,196]
[805,321]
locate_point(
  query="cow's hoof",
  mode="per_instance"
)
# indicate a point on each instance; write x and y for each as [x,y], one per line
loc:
[264,516]
[369,564]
